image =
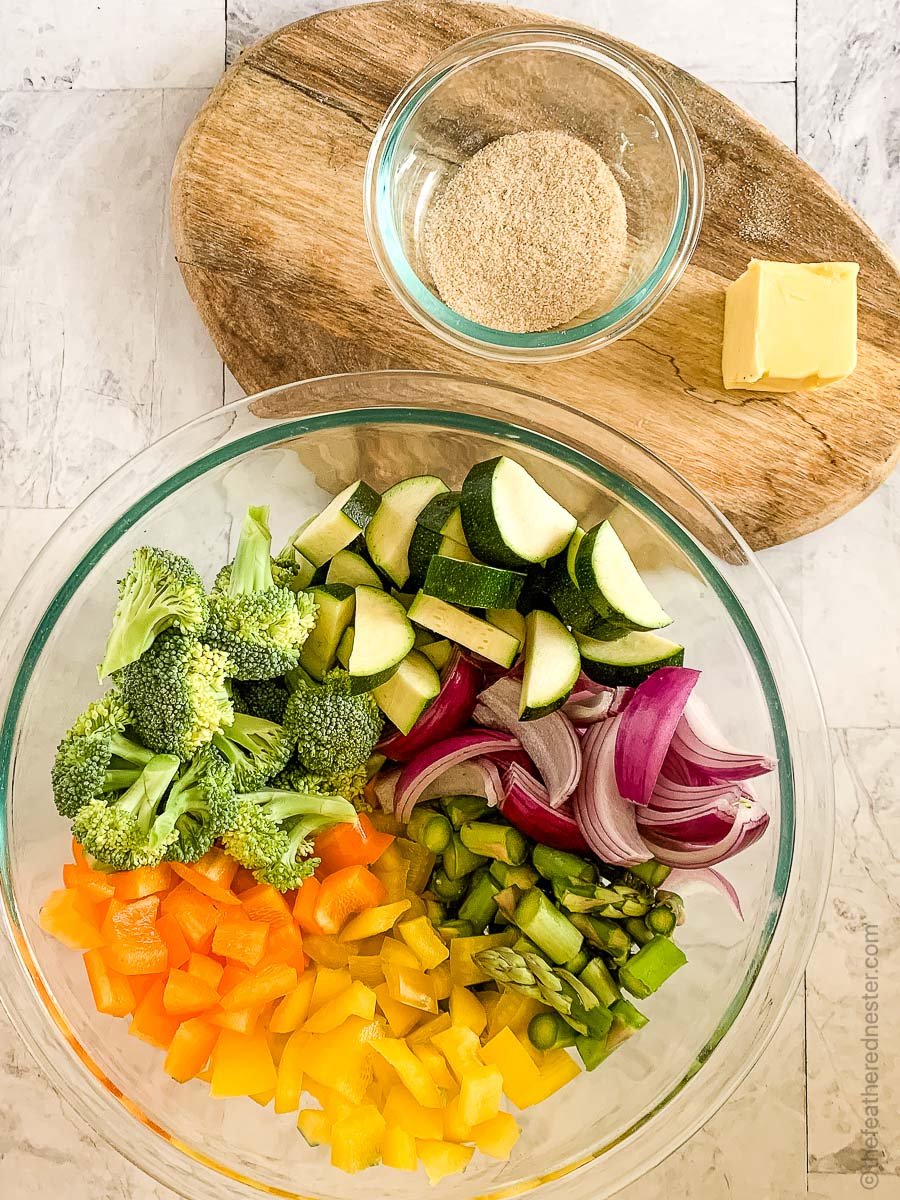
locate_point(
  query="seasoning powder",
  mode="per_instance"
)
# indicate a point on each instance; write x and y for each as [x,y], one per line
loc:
[523,235]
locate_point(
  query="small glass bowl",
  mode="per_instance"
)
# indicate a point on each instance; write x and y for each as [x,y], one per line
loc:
[537,78]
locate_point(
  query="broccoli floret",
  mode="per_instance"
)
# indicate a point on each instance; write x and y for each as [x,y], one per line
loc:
[349,784]
[261,627]
[117,832]
[334,729]
[200,806]
[286,573]
[271,835]
[265,698]
[160,589]
[176,692]
[255,748]
[96,756]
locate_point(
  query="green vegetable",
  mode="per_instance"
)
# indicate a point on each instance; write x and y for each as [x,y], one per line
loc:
[94,752]
[540,920]
[651,966]
[434,910]
[617,901]
[638,931]
[255,748]
[559,864]
[509,876]
[200,806]
[454,929]
[479,906]
[592,1051]
[578,962]
[549,1031]
[349,784]
[459,860]
[334,729]
[598,977]
[429,828]
[557,988]
[654,874]
[461,809]
[503,842]
[117,829]
[605,935]
[552,665]
[176,693]
[666,914]
[159,590]
[264,698]
[449,890]
[271,834]
[261,627]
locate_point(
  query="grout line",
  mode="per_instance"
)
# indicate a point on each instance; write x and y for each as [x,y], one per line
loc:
[805,1082]
[796,76]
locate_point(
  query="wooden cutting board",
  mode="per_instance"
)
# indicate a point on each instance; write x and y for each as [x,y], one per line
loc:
[268,225]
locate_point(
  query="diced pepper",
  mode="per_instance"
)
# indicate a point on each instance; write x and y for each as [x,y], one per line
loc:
[187,995]
[367,968]
[394,877]
[327,951]
[263,1099]
[176,944]
[241,1020]
[373,921]
[242,1065]
[133,946]
[403,1111]
[151,1023]
[190,1049]
[141,984]
[348,845]
[333,1103]
[194,912]
[145,881]
[461,1048]
[94,885]
[428,948]
[69,917]
[557,1069]
[514,1011]
[341,1059]
[441,1159]
[466,1009]
[356,1139]
[328,983]
[400,1017]
[394,951]
[520,1074]
[480,1093]
[293,1009]
[314,1125]
[268,983]
[497,1136]
[264,903]
[455,1129]
[305,906]
[425,1032]
[239,938]
[416,904]
[112,992]
[463,968]
[412,1073]
[441,980]
[345,893]
[207,969]
[206,885]
[284,945]
[218,867]
[355,1001]
[420,862]
[436,1066]
[398,1149]
[78,854]
[243,881]
[289,1087]
[232,973]
[412,987]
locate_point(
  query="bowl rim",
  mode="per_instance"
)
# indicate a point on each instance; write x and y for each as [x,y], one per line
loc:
[156,1158]
[555,344]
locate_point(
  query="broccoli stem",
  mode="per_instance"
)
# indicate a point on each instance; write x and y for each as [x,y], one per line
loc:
[145,795]
[479,905]
[503,842]
[549,1031]
[461,809]
[651,966]
[118,780]
[429,828]
[282,805]
[598,977]
[559,864]
[547,927]
[122,747]
[251,570]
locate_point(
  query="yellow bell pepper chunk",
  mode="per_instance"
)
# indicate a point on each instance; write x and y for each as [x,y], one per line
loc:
[327,951]
[421,938]
[461,1048]
[394,951]
[314,1125]
[420,863]
[289,1087]
[411,1072]
[463,968]
[424,1033]
[557,1069]
[293,1009]
[334,1105]
[356,1139]
[455,1129]
[403,1111]
[416,904]
[373,921]
[497,1136]
[520,1075]
[441,981]
[436,1066]
[400,1017]
[367,968]
[329,982]
[357,1000]
[242,1064]
[480,1093]
[513,1010]
[441,1159]
[466,1009]
[408,985]
[263,1099]
[398,1150]
[342,1059]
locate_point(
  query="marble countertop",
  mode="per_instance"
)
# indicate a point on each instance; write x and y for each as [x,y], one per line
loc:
[101,352]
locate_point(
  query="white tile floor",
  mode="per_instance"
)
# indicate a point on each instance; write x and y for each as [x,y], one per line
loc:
[101,351]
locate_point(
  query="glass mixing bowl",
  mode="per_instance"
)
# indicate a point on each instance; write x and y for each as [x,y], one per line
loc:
[530,78]
[293,448]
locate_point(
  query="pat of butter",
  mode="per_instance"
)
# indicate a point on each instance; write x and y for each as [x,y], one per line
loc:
[790,327]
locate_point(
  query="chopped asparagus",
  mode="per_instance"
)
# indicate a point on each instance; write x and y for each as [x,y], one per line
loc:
[480,906]
[577,962]
[461,809]
[651,966]
[638,931]
[459,860]
[549,1030]
[598,977]
[532,975]
[608,936]
[547,927]
[559,864]
[666,914]
[651,872]
[454,929]
[435,911]
[503,842]
[509,876]
[429,828]
[449,890]
[592,1051]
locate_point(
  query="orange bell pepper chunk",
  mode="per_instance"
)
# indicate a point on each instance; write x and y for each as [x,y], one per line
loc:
[206,968]
[238,938]
[151,1023]
[243,881]
[305,905]
[284,945]
[242,1020]
[112,992]
[141,984]
[176,944]
[145,881]
[194,912]
[190,1049]
[268,983]
[210,888]
[217,866]
[348,845]
[133,945]
[264,903]
[131,919]
[94,885]
[70,917]
[188,995]
[78,854]
[346,892]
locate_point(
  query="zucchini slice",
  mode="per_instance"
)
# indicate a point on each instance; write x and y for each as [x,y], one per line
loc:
[628,661]
[510,620]
[567,598]
[345,647]
[390,531]
[351,568]
[339,524]
[335,603]
[610,581]
[382,638]
[552,665]
[409,691]
[424,545]
[461,627]
[572,551]
[471,584]
[438,652]
[441,515]
[509,519]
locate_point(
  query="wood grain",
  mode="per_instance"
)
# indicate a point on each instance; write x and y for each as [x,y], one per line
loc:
[268,226]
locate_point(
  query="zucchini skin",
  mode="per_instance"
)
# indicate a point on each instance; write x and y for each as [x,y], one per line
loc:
[481,529]
[472,585]
[362,506]
[620,675]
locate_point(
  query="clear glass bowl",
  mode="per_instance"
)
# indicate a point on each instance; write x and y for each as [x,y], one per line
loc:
[537,78]
[293,448]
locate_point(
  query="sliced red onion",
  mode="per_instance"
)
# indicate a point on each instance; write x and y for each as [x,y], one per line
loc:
[385,785]
[551,742]
[447,714]
[478,777]
[586,708]
[668,795]
[679,878]
[704,823]
[606,819]
[527,805]
[750,823]
[432,762]
[698,753]
[646,728]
